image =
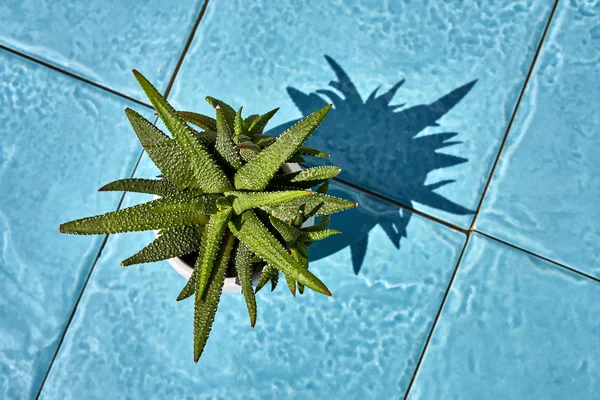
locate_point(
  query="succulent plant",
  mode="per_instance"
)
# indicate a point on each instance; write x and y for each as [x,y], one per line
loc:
[224,196]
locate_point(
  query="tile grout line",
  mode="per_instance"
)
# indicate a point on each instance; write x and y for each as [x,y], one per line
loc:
[72,75]
[437,316]
[531,253]
[105,240]
[514,114]
[472,227]
[400,205]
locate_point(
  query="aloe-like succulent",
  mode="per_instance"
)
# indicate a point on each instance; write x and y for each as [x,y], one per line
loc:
[224,196]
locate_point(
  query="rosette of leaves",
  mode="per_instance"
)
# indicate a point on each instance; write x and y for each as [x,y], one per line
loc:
[224,196]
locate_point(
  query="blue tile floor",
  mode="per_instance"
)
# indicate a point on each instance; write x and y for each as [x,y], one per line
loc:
[471,270]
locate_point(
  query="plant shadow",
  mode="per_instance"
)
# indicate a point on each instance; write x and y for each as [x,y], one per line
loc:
[377,145]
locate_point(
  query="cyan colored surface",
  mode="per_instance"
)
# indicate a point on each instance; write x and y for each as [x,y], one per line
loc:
[437,47]
[545,195]
[513,327]
[102,40]
[60,141]
[130,339]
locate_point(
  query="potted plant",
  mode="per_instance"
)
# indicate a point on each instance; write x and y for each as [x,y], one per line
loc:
[227,203]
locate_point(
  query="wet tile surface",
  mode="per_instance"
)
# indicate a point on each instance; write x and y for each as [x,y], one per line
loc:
[273,55]
[60,141]
[514,327]
[131,339]
[545,194]
[102,40]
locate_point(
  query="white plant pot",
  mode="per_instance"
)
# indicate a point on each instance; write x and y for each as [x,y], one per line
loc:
[232,284]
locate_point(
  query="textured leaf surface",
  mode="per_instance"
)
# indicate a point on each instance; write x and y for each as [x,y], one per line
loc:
[248,120]
[205,307]
[160,187]
[257,173]
[305,179]
[171,243]
[258,124]
[291,284]
[203,121]
[147,133]
[210,247]
[266,275]
[190,286]
[225,145]
[317,204]
[248,229]
[248,154]
[239,128]
[313,236]
[209,176]
[263,140]
[289,233]
[243,266]
[228,111]
[247,200]
[309,151]
[296,251]
[170,160]
[167,212]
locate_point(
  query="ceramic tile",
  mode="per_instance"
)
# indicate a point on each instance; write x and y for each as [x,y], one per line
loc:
[513,327]
[102,40]
[544,195]
[60,141]
[433,153]
[130,339]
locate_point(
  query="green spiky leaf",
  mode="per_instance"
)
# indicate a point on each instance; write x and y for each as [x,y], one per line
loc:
[248,145]
[313,236]
[305,179]
[274,279]
[248,154]
[317,204]
[300,253]
[209,176]
[171,243]
[190,286]
[243,266]
[206,306]
[211,242]
[257,173]
[160,187]
[289,233]
[263,140]
[248,120]
[291,284]
[248,229]
[239,128]
[225,145]
[203,121]
[171,160]
[268,273]
[167,212]
[258,124]
[308,151]
[228,111]
[247,200]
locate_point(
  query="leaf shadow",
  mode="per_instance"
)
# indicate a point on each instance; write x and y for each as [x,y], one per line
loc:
[379,146]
